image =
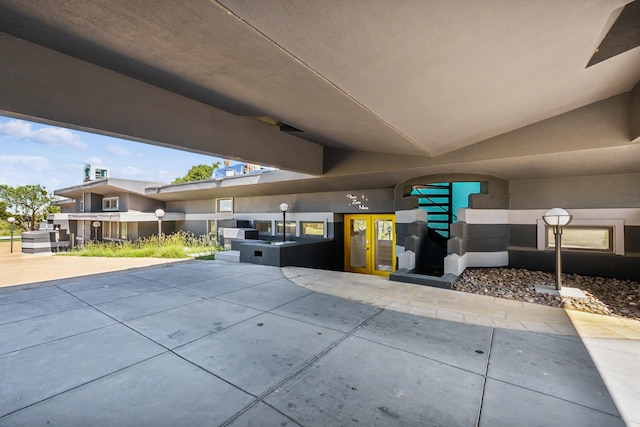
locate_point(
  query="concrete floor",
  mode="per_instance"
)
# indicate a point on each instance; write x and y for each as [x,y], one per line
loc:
[216,343]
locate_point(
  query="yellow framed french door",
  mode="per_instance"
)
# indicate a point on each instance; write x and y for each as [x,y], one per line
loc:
[370,244]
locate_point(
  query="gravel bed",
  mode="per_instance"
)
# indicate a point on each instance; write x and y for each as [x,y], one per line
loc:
[611,297]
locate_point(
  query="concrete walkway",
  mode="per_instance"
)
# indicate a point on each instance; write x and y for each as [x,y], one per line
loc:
[215,343]
[612,342]
[21,269]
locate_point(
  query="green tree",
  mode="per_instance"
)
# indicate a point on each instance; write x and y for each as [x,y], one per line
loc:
[198,173]
[3,210]
[27,203]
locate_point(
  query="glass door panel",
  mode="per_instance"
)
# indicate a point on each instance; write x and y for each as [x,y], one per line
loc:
[357,244]
[383,245]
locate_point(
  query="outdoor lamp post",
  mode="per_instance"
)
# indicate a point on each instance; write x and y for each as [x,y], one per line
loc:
[11,221]
[284,208]
[557,218]
[159,214]
[96,224]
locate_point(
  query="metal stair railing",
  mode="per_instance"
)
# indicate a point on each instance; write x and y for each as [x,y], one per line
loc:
[445,208]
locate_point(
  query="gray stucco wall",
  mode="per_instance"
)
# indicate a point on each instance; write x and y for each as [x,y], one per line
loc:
[375,201]
[192,206]
[143,204]
[608,191]
[197,227]
[95,203]
[146,229]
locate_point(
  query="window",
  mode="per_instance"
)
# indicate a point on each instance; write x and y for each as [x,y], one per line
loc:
[82,204]
[123,230]
[583,238]
[263,227]
[110,203]
[224,205]
[315,229]
[111,230]
[290,229]
[605,235]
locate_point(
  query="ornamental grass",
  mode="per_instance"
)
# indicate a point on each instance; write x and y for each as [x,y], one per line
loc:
[180,244]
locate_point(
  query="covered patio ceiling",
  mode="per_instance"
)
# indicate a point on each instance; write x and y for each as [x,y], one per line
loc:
[342,89]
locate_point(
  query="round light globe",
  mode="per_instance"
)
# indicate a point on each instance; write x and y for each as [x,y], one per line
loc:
[159,213]
[11,220]
[557,217]
[284,207]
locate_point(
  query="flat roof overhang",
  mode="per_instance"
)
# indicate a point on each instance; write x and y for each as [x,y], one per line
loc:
[331,89]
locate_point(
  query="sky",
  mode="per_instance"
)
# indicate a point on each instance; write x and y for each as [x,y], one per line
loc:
[54,157]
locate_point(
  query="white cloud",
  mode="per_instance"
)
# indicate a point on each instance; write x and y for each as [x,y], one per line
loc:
[53,136]
[126,172]
[94,161]
[119,150]
[17,170]
[162,175]
[38,163]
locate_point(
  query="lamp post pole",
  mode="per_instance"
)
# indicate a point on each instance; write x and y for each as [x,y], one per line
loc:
[159,214]
[557,218]
[96,224]
[11,221]
[284,208]
[557,232]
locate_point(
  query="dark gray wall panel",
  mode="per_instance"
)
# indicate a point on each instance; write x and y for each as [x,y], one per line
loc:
[458,229]
[523,235]
[487,231]
[632,239]
[487,245]
[95,204]
[320,254]
[457,246]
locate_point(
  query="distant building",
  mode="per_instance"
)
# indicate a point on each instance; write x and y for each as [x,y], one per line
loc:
[92,173]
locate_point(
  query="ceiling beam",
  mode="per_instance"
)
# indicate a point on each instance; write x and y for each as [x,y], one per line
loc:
[45,85]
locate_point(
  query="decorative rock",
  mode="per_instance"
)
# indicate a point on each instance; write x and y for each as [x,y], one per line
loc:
[612,297]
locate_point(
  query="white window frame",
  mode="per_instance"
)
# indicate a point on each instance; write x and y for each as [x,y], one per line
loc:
[290,223]
[324,229]
[617,226]
[111,230]
[108,204]
[271,226]
[224,209]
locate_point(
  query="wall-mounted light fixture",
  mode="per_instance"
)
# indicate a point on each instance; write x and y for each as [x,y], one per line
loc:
[284,208]
[557,218]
